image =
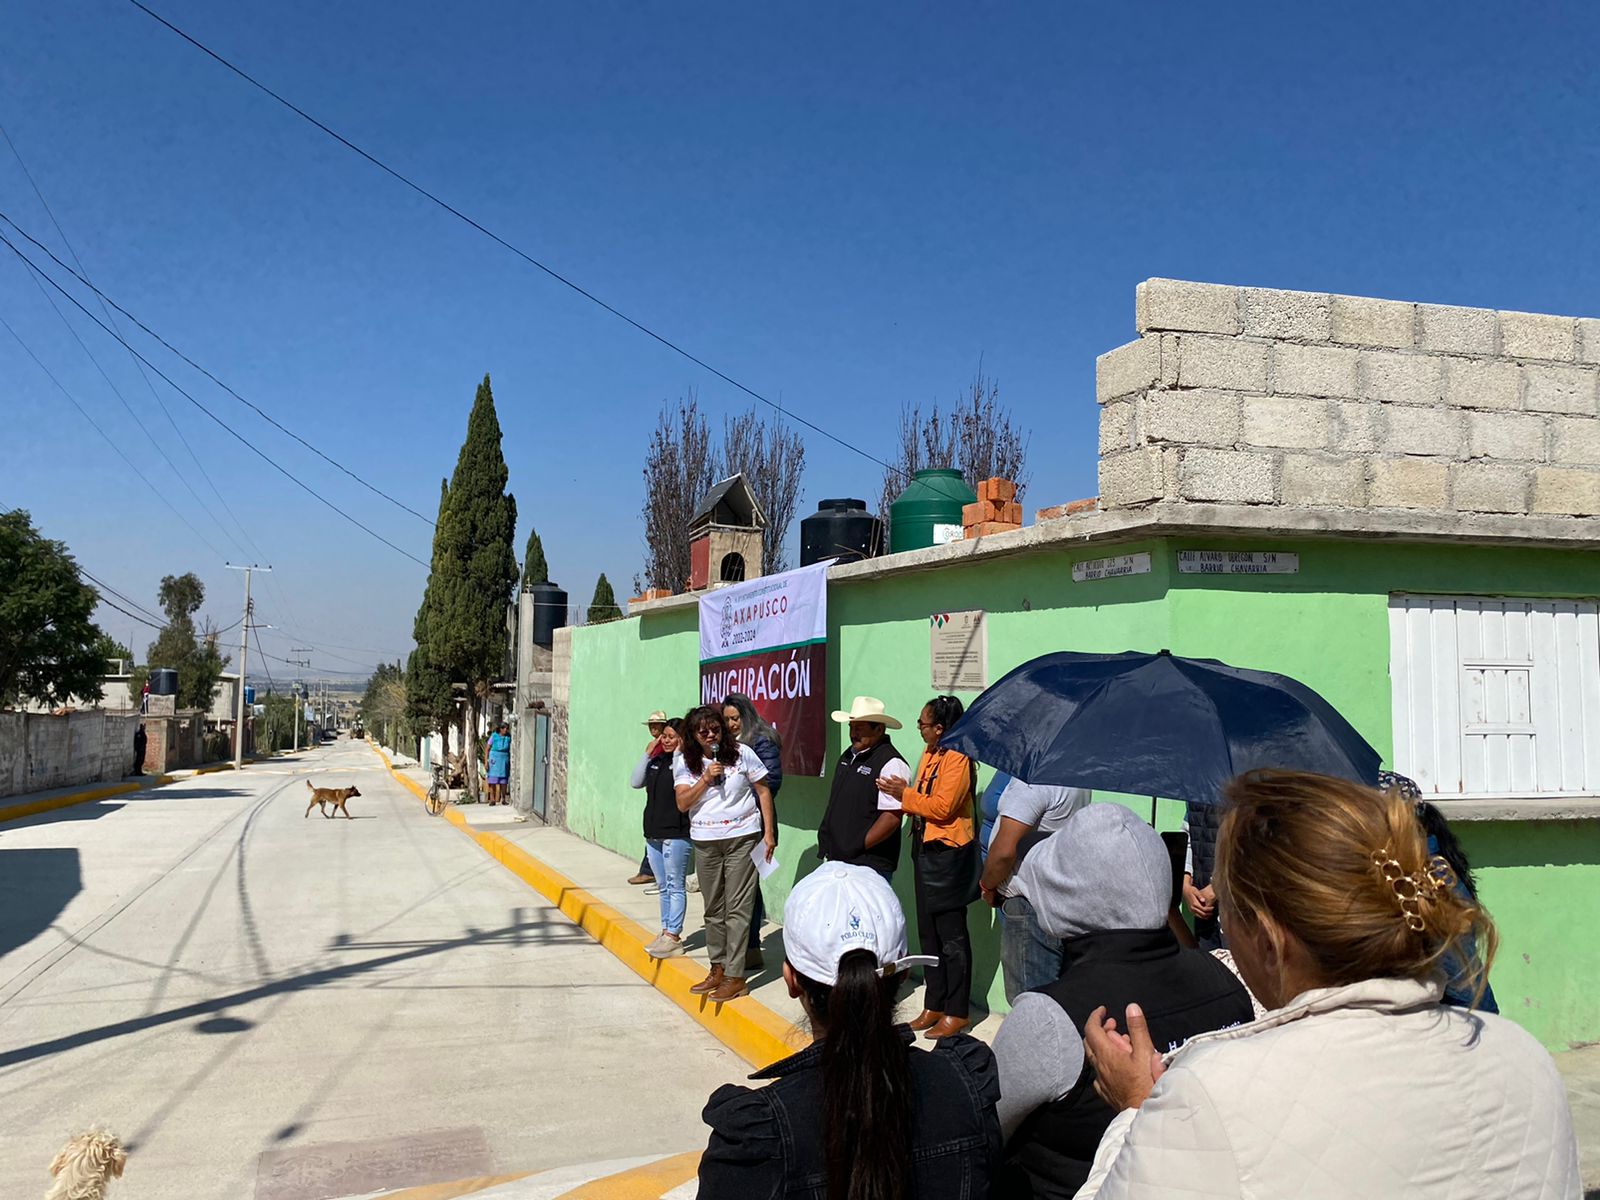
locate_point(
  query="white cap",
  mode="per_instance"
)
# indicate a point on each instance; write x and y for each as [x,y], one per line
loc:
[839,908]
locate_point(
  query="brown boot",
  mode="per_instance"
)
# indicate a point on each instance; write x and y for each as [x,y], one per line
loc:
[730,989]
[946,1027]
[710,983]
[926,1021]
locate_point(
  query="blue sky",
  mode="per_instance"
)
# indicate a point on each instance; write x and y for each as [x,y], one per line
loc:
[843,205]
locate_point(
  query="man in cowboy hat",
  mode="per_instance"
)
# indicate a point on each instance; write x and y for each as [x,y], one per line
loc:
[856,829]
[655,723]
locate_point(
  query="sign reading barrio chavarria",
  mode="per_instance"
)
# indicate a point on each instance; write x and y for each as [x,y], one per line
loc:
[1110,568]
[959,651]
[1237,562]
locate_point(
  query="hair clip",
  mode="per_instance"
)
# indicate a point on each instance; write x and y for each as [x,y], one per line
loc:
[1408,889]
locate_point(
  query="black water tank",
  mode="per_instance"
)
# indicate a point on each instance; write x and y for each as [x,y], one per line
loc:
[549,612]
[841,529]
[163,681]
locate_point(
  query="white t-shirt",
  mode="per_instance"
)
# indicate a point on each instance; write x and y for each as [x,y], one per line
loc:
[727,808]
[1040,806]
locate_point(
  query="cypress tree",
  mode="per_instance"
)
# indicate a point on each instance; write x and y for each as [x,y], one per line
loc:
[534,568]
[428,702]
[603,607]
[476,569]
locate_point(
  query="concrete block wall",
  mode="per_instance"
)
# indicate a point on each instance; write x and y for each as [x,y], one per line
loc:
[39,751]
[1254,396]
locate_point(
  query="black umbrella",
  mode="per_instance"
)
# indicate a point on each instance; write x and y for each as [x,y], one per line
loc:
[1155,725]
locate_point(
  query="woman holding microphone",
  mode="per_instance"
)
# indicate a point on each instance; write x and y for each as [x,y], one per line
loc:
[720,784]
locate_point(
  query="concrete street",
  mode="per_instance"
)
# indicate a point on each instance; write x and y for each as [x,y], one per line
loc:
[272,1007]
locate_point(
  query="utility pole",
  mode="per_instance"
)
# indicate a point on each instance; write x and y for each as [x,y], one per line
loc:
[298,688]
[244,649]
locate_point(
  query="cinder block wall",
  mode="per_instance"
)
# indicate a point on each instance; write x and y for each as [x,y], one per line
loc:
[1253,396]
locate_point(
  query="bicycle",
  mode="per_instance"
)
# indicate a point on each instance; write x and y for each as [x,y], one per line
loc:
[438,791]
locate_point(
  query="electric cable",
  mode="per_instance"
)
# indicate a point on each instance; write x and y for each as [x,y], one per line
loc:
[253,448]
[137,420]
[93,424]
[783,414]
[161,450]
[83,273]
[259,411]
[106,587]
[271,686]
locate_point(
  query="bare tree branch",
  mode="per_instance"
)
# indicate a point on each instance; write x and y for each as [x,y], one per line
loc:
[977,434]
[772,459]
[678,468]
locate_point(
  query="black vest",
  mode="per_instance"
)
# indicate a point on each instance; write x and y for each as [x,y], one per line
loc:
[853,808]
[661,816]
[1204,821]
[1183,992]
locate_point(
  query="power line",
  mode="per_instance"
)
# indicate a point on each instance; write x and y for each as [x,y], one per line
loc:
[106,587]
[257,409]
[270,684]
[83,412]
[83,273]
[154,395]
[338,657]
[783,413]
[134,616]
[254,449]
[137,420]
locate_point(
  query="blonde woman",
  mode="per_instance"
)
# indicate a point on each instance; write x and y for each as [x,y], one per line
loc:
[1358,1081]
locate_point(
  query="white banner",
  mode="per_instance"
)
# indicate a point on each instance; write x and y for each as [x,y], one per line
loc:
[772,613]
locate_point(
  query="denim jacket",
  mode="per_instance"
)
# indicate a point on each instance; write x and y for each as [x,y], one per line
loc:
[768,1142]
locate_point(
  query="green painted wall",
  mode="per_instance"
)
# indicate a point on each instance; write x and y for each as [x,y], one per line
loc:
[1326,625]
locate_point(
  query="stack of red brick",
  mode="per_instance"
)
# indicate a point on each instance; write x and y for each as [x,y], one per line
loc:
[996,511]
[651,594]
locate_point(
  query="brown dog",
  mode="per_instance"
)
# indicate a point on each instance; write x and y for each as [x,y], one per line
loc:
[321,797]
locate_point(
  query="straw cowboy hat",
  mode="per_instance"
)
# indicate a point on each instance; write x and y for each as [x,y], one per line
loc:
[866,708]
[656,718]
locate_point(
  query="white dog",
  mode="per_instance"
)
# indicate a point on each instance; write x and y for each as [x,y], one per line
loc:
[86,1166]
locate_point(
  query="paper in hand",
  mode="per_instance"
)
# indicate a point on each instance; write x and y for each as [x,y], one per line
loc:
[758,855]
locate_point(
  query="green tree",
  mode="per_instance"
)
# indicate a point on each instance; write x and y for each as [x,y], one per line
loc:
[603,607]
[275,729]
[195,655]
[429,706]
[534,568]
[475,569]
[48,645]
[383,705]
[107,647]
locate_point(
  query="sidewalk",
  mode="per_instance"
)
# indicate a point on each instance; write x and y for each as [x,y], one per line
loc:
[601,875]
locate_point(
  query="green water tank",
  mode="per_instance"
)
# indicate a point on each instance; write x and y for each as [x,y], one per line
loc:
[928,512]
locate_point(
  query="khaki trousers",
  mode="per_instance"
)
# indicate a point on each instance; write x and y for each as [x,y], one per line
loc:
[728,888]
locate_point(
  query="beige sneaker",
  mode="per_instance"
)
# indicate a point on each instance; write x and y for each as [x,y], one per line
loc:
[665,946]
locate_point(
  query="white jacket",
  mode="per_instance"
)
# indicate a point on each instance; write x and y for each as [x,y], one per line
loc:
[1364,1092]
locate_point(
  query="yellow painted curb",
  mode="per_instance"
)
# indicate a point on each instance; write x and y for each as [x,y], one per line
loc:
[15,812]
[649,1182]
[746,1026]
[33,808]
[451,1191]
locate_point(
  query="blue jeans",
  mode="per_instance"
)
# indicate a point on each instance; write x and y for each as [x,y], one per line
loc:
[669,863]
[1029,957]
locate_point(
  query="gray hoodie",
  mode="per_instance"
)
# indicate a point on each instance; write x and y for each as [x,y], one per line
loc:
[1104,869]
